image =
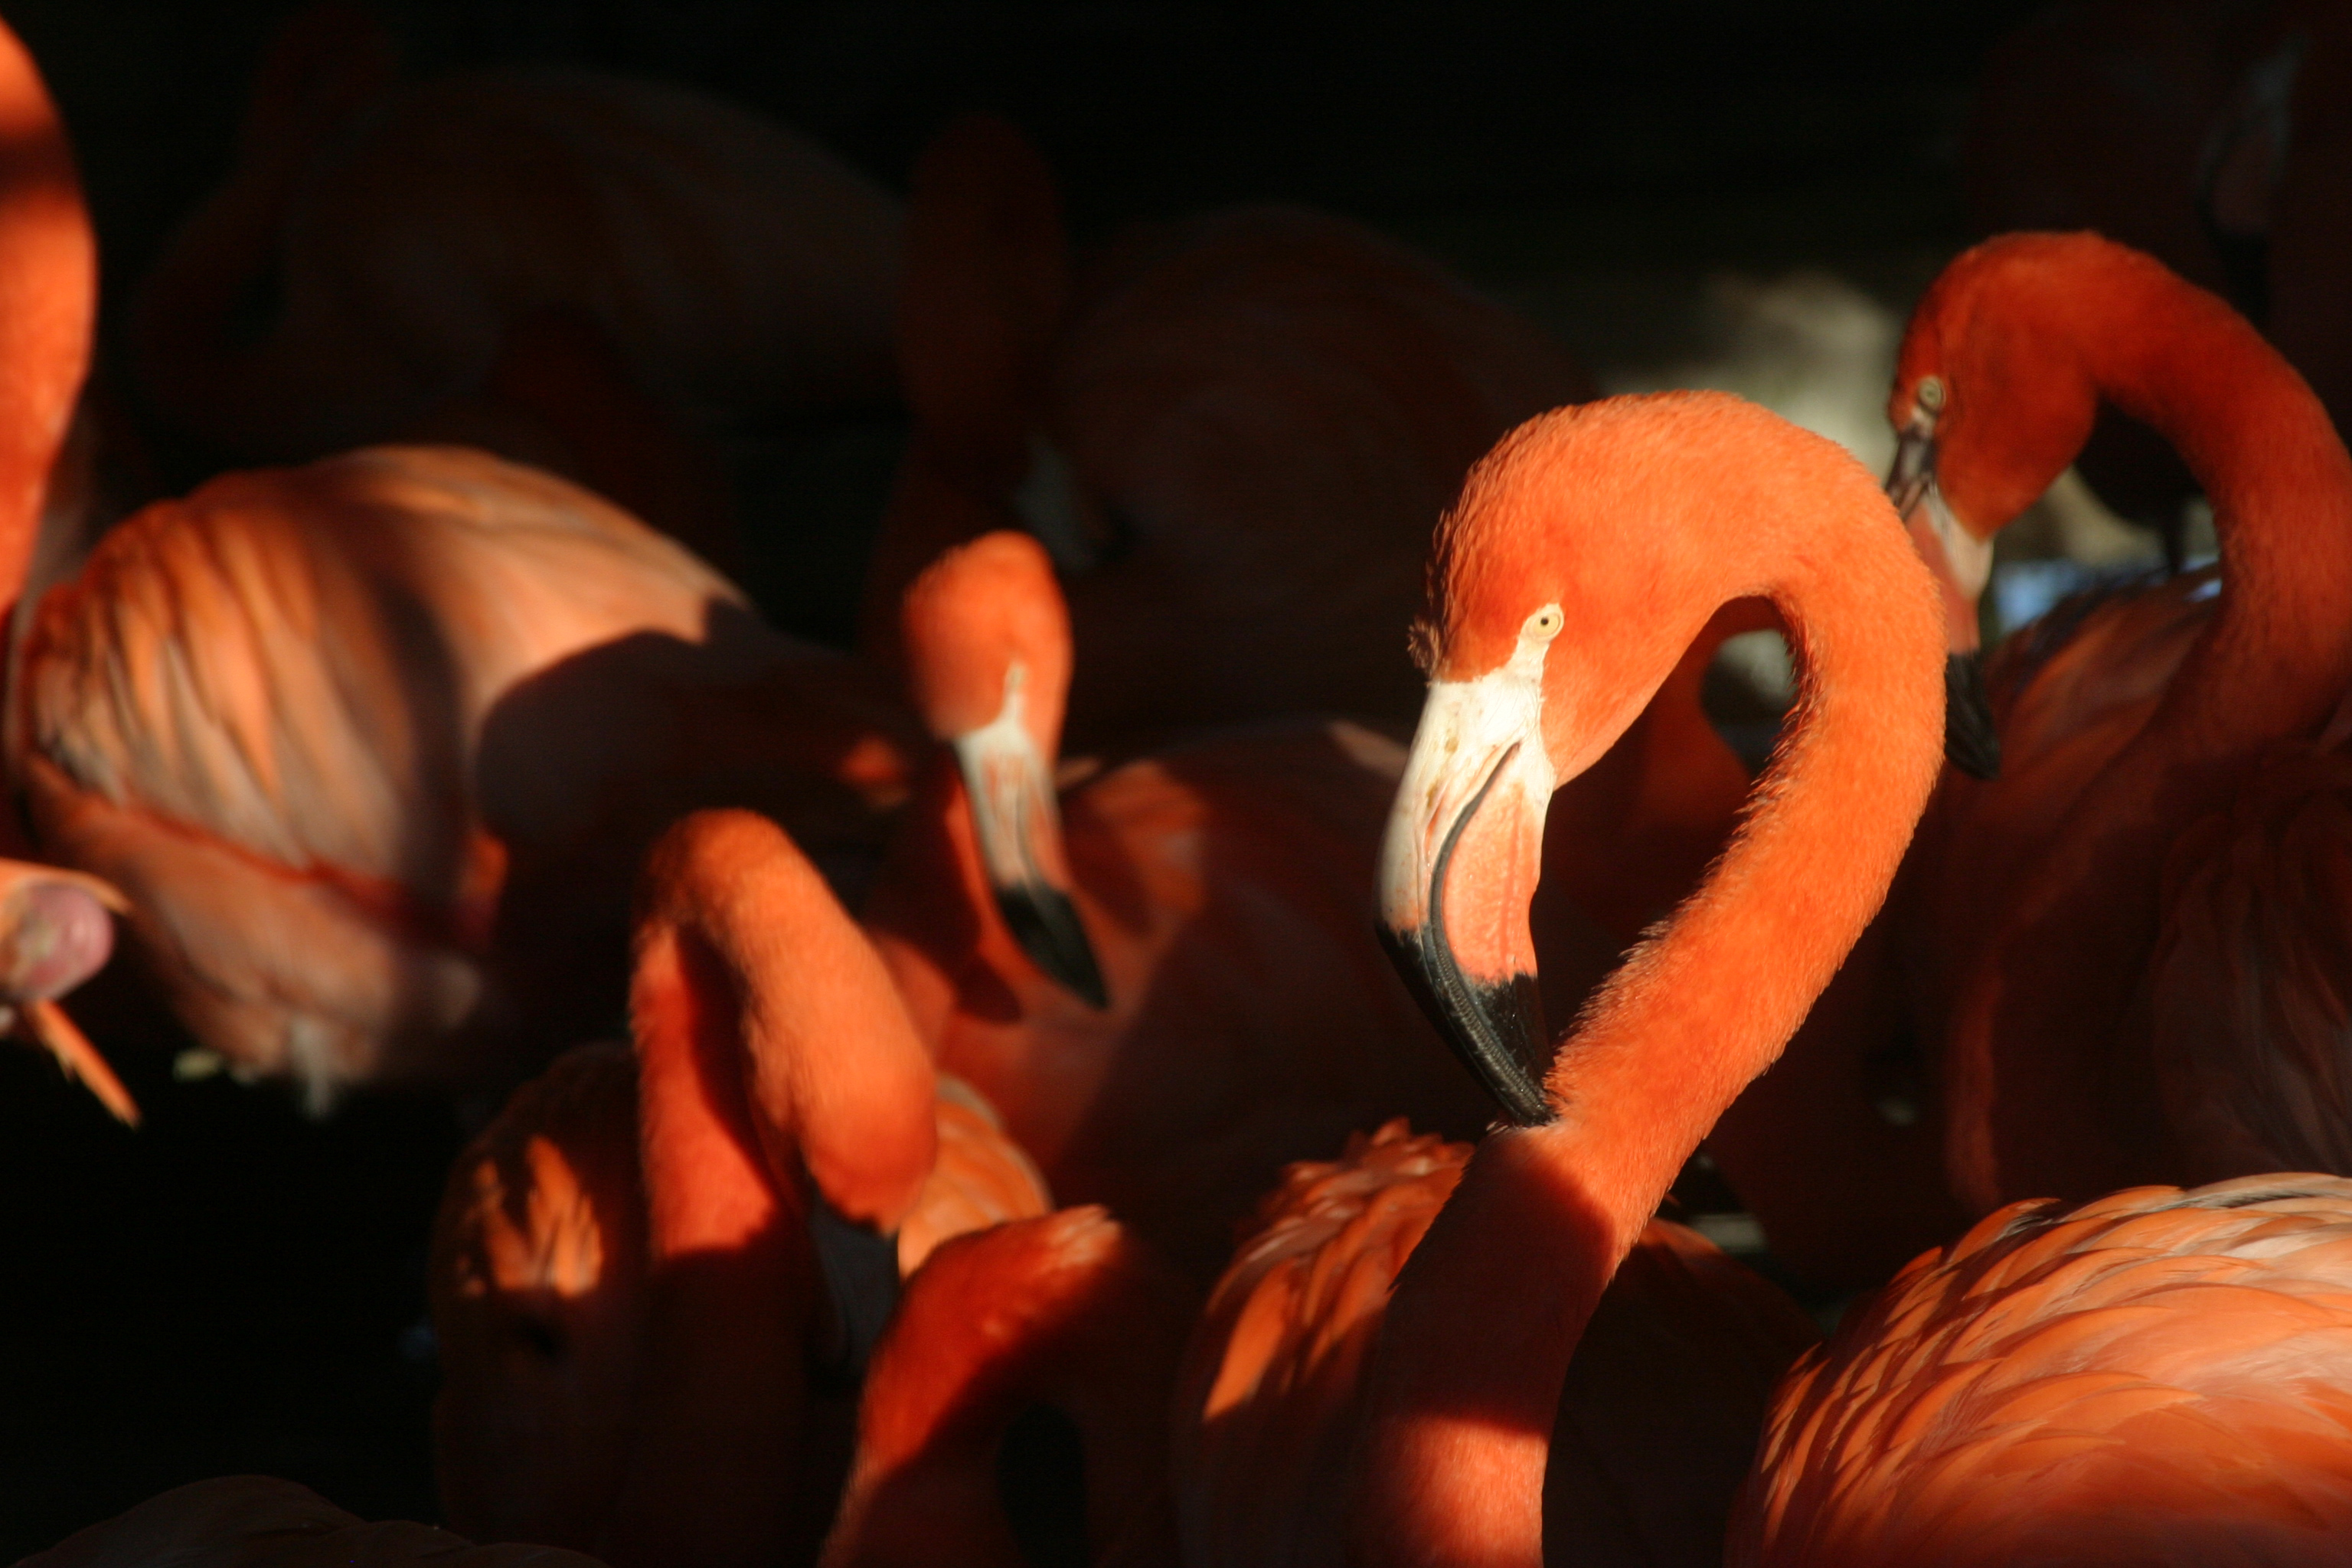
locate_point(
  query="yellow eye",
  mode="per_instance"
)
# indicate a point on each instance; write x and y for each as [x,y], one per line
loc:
[1545,623]
[1930,393]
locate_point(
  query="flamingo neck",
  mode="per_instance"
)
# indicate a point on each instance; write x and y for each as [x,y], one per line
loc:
[2278,653]
[48,291]
[1466,1377]
[1068,1313]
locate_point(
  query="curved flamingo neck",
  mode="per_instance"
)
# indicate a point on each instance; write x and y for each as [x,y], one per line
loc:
[1466,1377]
[2278,654]
[48,293]
[1067,1311]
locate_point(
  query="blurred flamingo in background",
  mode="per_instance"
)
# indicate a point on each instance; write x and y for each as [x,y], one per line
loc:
[656,1282]
[1584,556]
[1232,434]
[372,747]
[594,274]
[2127,951]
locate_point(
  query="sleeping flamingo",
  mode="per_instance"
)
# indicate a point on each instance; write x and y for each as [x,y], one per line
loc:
[2125,948]
[372,747]
[1583,555]
[1231,432]
[467,258]
[1656,1422]
[655,1282]
[243,1521]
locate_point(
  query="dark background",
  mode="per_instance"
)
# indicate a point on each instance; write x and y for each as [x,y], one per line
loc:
[238,1287]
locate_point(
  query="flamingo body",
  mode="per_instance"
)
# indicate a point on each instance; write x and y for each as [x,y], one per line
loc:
[308,720]
[2155,1377]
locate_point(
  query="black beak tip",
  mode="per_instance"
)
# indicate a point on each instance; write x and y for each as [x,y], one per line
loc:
[1497,1031]
[1969,739]
[1046,925]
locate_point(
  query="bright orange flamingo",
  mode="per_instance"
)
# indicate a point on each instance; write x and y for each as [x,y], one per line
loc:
[1068,1314]
[1231,432]
[1215,892]
[1584,556]
[457,258]
[373,748]
[2126,948]
[654,1288]
[1658,1420]
[236,1521]
[2155,1377]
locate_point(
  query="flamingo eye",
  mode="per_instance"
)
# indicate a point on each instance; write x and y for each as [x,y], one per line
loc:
[1545,623]
[1930,394]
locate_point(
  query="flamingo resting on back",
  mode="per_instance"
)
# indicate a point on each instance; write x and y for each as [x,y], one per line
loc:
[2127,951]
[1231,433]
[1584,554]
[372,747]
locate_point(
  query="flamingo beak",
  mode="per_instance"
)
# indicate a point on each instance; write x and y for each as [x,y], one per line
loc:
[1458,866]
[1962,564]
[1020,830]
[56,931]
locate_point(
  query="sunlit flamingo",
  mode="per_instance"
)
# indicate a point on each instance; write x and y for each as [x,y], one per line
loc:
[1068,1314]
[236,1521]
[2154,1377]
[2127,950]
[1232,432]
[1657,1418]
[654,1288]
[1583,555]
[372,747]
[509,257]
[1212,895]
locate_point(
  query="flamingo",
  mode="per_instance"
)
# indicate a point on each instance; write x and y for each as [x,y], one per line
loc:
[1068,1312]
[1657,1418]
[552,262]
[656,1276]
[2214,137]
[2156,1376]
[2125,949]
[1582,556]
[1231,432]
[234,1520]
[1204,1002]
[371,747]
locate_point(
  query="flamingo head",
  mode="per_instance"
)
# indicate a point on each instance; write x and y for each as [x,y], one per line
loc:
[1562,594]
[57,929]
[1992,399]
[987,639]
